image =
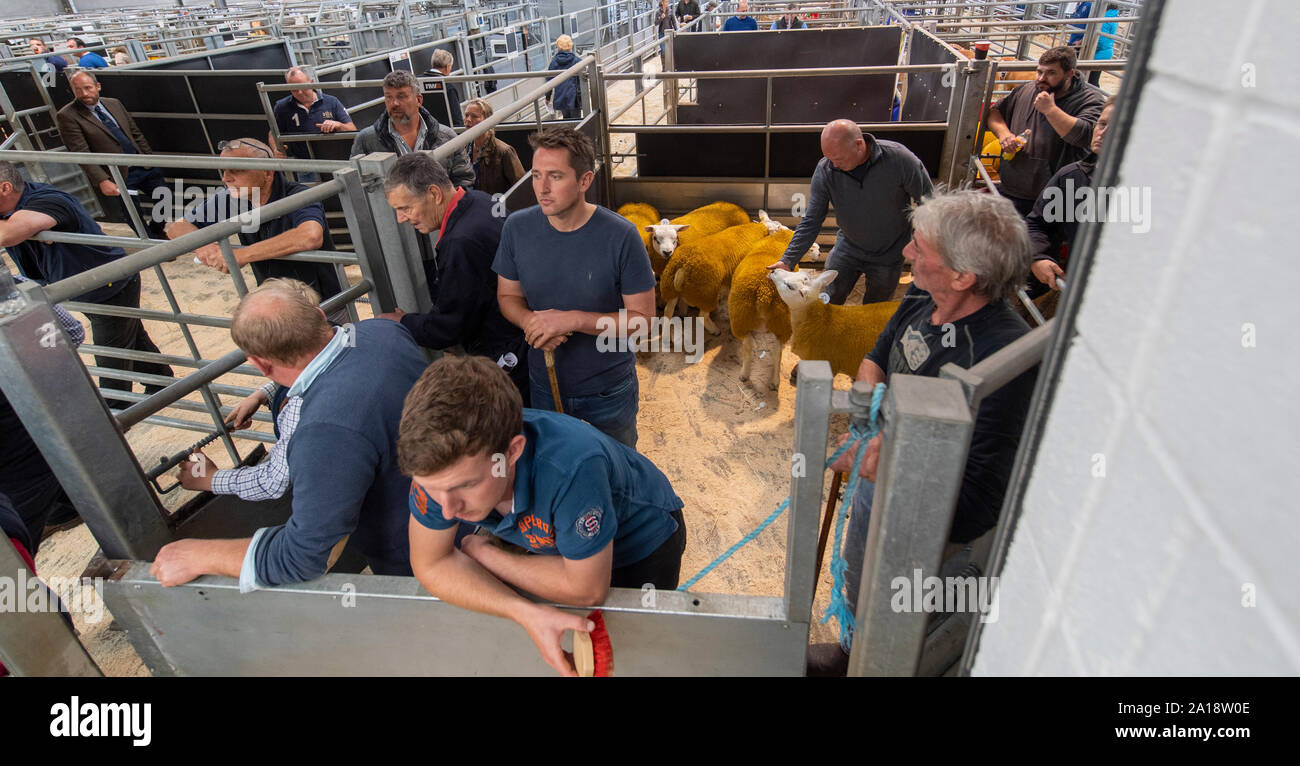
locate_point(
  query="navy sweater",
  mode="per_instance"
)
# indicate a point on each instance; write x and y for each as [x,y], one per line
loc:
[343,461]
[463,286]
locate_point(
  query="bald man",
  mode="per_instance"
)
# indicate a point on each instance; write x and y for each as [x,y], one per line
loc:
[302,229]
[871,182]
[348,385]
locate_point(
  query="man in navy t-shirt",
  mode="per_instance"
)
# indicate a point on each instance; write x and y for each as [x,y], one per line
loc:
[567,268]
[303,229]
[590,512]
[956,311]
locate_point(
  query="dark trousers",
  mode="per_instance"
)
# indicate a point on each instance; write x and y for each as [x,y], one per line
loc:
[125,333]
[39,502]
[881,281]
[661,569]
[144,181]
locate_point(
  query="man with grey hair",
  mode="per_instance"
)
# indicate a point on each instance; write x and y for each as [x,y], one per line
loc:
[306,110]
[349,384]
[406,126]
[446,96]
[462,284]
[871,182]
[969,253]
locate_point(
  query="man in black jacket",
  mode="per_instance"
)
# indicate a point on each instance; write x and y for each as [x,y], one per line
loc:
[406,126]
[459,271]
[687,11]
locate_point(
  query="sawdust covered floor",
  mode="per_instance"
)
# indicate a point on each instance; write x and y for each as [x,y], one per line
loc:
[724,445]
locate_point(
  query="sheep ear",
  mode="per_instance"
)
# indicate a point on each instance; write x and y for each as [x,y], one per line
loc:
[650,227]
[681,226]
[824,278]
[762,216]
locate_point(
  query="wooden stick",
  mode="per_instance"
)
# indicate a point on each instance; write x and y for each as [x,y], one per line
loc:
[826,526]
[555,388]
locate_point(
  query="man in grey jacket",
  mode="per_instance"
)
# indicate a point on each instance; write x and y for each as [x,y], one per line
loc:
[871,182]
[406,126]
[1059,109]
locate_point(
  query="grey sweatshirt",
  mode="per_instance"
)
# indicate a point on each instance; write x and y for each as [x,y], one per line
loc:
[872,215]
[1025,175]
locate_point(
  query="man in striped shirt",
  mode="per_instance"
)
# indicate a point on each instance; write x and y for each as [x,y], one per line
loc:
[267,480]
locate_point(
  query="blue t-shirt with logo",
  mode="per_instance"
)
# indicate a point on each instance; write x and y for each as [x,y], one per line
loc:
[590,269]
[576,490]
[291,117]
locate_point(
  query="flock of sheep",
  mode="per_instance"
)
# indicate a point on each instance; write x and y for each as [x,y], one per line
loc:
[716,252]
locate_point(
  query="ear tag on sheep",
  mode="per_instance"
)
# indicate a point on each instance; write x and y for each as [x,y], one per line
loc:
[826,298]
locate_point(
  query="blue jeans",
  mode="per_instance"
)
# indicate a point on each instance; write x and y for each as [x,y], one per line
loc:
[612,411]
[855,544]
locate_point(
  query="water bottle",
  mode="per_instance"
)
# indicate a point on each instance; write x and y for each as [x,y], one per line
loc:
[1021,140]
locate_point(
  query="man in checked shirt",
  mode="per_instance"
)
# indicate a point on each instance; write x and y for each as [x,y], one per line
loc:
[269,479]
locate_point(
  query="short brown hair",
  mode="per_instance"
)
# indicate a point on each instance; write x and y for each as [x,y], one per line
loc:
[1062,55]
[582,152]
[290,330]
[461,405]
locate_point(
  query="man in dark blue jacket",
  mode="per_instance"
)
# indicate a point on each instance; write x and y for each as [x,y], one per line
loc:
[347,487]
[27,209]
[462,285]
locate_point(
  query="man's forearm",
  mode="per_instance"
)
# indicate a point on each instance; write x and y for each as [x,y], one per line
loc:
[594,323]
[542,576]
[870,373]
[461,581]
[1061,122]
[223,557]
[288,243]
[514,308]
[998,124]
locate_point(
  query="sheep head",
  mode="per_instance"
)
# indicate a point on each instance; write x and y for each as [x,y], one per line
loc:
[664,236]
[772,226]
[801,288]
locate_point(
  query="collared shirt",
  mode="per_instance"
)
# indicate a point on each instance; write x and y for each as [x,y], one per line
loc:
[575,491]
[76,333]
[268,479]
[402,147]
[343,337]
[292,117]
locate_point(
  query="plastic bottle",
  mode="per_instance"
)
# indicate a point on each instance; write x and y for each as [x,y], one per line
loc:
[1021,140]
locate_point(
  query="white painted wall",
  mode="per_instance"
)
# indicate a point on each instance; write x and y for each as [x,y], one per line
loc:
[1141,571]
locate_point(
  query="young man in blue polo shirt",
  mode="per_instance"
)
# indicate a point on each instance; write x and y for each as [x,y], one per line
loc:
[591,513]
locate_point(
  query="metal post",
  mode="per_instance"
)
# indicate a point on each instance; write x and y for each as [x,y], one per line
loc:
[928,428]
[90,456]
[961,136]
[373,226]
[811,409]
[596,89]
[37,643]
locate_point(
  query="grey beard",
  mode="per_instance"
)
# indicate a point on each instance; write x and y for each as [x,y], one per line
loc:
[400,120]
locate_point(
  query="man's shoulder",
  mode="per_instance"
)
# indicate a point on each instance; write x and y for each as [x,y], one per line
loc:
[528,219]
[68,110]
[606,218]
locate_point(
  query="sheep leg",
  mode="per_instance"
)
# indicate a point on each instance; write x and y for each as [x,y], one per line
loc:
[709,323]
[670,307]
[774,381]
[746,356]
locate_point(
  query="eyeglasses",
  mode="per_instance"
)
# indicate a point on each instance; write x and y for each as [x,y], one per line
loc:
[240,144]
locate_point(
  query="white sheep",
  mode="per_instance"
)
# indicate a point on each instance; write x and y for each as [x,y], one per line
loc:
[754,306]
[699,272]
[842,335]
[696,225]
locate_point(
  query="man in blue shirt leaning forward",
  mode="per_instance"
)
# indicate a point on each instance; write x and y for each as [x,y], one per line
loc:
[343,458]
[590,512]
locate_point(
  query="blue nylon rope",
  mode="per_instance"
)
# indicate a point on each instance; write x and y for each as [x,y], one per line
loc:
[856,436]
